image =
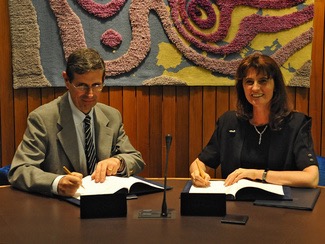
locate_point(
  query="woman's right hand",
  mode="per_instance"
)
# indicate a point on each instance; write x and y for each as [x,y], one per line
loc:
[199,177]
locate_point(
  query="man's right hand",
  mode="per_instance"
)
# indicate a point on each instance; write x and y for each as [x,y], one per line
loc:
[69,184]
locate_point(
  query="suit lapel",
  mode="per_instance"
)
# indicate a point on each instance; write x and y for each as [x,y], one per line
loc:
[103,134]
[239,139]
[68,136]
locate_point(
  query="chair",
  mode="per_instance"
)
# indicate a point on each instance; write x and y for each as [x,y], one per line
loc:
[321,168]
[4,175]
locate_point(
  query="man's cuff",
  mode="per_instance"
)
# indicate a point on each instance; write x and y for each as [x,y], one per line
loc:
[122,169]
[55,184]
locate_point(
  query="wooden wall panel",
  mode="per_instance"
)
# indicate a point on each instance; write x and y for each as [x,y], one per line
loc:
[317,95]
[302,96]
[149,113]
[6,100]
[209,113]
[195,122]
[317,78]
[116,98]
[292,96]
[20,114]
[154,162]
[322,133]
[169,127]
[129,114]
[104,96]
[47,95]
[209,117]
[232,98]
[142,129]
[181,137]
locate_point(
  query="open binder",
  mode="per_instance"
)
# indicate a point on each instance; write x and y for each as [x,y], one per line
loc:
[245,190]
[109,199]
[129,186]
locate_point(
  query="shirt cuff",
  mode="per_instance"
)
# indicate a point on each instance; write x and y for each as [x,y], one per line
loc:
[55,184]
[122,169]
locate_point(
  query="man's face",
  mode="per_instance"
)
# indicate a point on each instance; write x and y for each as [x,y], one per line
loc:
[82,96]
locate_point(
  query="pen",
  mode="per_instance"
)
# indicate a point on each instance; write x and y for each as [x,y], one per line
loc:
[200,169]
[68,172]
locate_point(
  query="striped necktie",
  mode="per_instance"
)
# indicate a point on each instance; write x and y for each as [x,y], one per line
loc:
[89,146]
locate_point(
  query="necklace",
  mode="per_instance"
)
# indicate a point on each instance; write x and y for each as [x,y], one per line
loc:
[260,133]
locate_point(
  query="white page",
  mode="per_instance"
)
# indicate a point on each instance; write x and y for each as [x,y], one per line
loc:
[218,187]
[277,189]
[111,185]
[215,187]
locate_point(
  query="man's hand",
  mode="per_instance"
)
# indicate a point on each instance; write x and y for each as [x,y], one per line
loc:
[69,184]
[105,168]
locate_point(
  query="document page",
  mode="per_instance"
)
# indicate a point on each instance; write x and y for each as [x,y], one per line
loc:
[219,187]
[111,185]
[216,186]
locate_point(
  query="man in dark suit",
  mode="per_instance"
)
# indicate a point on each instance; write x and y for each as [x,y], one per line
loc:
[55,135]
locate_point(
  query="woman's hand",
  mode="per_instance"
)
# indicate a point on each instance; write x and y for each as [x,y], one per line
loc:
[199,177]
[241,173]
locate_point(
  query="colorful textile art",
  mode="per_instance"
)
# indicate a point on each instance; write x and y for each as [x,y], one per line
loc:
[160,42]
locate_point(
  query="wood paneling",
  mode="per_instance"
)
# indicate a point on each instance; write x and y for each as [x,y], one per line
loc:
[317,90]
[149,113]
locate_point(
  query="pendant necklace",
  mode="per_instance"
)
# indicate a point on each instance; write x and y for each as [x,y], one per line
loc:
[260,133]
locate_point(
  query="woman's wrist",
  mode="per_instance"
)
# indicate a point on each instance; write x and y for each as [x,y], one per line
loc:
[259,174]
[264,175]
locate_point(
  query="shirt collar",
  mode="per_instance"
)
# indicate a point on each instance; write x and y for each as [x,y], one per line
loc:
[78,116]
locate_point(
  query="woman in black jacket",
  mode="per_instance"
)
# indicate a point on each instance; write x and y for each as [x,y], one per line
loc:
[263,139]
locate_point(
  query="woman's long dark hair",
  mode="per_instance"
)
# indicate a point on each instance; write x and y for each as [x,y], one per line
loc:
[263,64]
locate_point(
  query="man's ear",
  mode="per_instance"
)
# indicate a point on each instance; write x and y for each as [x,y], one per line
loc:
[66,79]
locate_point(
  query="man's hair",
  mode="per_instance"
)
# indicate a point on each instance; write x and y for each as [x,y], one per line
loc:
[83,60]
[263,64]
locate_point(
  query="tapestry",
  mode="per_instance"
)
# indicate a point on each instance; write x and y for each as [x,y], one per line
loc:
[160,42]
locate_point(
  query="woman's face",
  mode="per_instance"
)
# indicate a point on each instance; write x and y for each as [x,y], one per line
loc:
[258,89]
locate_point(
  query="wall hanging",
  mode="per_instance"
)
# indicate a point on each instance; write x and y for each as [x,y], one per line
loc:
[160,42]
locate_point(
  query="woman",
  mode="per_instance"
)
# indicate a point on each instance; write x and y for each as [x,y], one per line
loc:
[263,140]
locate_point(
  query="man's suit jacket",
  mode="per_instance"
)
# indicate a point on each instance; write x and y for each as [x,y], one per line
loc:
[50,142]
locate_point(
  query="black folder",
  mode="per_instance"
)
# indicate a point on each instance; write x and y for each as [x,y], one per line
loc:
[302,198]
[103,206]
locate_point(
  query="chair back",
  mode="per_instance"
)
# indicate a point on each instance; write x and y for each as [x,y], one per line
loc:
[321,168]
[4,175]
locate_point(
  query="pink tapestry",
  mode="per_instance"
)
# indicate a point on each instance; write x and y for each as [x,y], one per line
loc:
[160,42]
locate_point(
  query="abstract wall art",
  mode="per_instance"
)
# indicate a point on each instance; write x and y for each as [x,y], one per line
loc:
[160,42]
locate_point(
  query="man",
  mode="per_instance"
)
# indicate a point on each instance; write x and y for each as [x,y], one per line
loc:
[56,137]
